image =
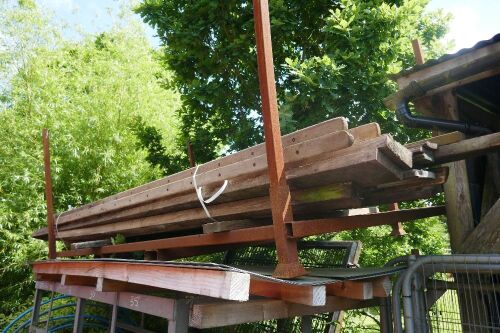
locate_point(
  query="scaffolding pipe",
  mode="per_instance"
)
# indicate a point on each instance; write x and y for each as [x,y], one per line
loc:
[433,264]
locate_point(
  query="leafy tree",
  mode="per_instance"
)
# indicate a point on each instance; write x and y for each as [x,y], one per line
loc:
[332,59]
[90,95]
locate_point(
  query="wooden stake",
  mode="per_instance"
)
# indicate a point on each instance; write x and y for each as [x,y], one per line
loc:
[192,162]
[288,260]
[48,194]
[417,51]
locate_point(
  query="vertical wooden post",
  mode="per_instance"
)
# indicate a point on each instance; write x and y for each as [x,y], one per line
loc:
[397,228]
[35,314]
[48,194]
[190,154]
[417,51]
[79,312]
[180,322]
[288,261]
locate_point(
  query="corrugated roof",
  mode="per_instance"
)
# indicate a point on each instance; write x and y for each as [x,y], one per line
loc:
[449,56]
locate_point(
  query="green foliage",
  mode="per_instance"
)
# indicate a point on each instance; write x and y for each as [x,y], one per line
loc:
[332,59]
[89,96]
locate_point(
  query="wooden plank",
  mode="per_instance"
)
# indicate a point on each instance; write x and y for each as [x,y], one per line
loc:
[77,280]
[90,244]
[410,189]
[232,225]
[107,285]
[79,315]
[360,290]
[468,148]
[365,132]
[298,153]
[262,234]
[367,166]
[240,237]
[294,293]
[382,287]
[210,315]
[417,51]
[336,196]
[48,277]
[312,132]
[443,139]
[48,195]
[477,60]
[361,133]
[323,226]
[485,238]
[152,305]
[213,283]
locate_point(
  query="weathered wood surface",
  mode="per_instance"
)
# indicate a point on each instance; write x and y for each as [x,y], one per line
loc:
[259,235]
[237,174]
[468,148]
[369,163]
[485,238]
[323,226]
[209,315]
[315,131]
[207,282]
[206,314]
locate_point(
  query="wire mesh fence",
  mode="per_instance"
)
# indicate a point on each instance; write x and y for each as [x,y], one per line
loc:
[455,293]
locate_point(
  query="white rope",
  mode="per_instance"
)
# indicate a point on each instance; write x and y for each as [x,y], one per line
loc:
[199,194]
[57,222]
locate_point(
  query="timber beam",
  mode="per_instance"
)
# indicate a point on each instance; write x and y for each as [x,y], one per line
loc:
[297,229]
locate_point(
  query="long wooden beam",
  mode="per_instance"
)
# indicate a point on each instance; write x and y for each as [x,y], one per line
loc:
[322,226]
[153,305]
[48,194]
[298,229]
[205,314]
[314,131]
[206,282]
[210,315]
[256,165]
[468,148]
[295,293]
[289,265]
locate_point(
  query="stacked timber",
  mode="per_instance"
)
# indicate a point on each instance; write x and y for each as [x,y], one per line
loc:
[329,168]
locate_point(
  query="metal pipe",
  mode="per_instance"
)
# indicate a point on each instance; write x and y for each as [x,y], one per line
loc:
[435,264]
[405,116]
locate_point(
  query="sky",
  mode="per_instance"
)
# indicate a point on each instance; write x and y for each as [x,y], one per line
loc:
[473,20]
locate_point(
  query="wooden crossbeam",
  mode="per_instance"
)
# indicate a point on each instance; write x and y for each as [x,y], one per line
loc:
[264,234]
[78,280]
[294,293]
[153,305]
[214,283]
[360,290]
[468,148]
[210,315]
[323,226]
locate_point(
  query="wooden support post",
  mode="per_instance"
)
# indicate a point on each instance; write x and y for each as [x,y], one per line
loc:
[48,194]
[288,261]
[192,162]
[306,324]
[114,315]
[417,51]
[180,323]
[79,311]
[35,314]
[397,227]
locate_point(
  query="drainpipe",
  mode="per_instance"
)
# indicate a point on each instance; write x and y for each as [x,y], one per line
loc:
[405,116]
